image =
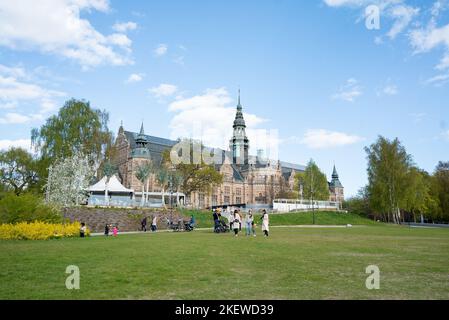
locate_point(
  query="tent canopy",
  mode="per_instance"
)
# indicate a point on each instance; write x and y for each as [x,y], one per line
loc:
[113,186]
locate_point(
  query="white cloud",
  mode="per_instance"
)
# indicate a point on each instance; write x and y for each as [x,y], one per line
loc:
[402,15]
[418,117]
[447,135]
[161,50]
[124,27]
[323,139]
[17,118]
[426,39]
[164,90]
[438,80]
[135,77]
[22,143]
[18,89]
[56,27]
[389,90]
[209,117]
[349,91]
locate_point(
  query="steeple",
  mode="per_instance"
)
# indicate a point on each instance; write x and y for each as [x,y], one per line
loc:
[239,144]
[335,182]
[120,129]
[141,150]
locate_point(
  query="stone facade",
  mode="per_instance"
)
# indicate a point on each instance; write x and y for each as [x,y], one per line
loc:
[126,219]
[247,179]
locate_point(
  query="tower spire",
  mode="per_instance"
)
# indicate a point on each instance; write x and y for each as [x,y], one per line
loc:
[239,98]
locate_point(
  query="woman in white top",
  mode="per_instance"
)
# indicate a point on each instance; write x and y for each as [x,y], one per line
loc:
[265,223]
[236,222]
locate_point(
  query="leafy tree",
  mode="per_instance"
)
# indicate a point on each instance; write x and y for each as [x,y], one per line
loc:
[388,167]
[143,172]
[109,170]
[68,181]
[27,208]
[76,128]
[194,175]
[417,196]
[314,182]
[18,170]
[440,191]
[162,177]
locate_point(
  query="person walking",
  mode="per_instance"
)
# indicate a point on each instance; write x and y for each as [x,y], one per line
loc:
[115,231]
[144,224]
[154,224]
[249,220]
[106,230]
[265,223]
[236,223]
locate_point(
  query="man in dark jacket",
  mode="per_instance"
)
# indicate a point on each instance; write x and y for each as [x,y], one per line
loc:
[144,224]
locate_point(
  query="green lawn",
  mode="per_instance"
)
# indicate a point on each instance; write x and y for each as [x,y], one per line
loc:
[294,263]
[204,218]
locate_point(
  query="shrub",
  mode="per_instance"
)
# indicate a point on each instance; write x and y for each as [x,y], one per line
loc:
[27,208]
[39,231]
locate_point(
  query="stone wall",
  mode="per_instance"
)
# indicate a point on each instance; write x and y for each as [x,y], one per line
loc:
[126,219]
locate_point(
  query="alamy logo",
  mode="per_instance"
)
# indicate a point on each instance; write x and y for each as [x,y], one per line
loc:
[372,17]
[73,280]
[373,280]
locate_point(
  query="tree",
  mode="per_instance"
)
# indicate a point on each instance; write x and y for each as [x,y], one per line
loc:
[314,182]
[388,167]
[76,128]
[18,170]
[68,181]
[162,177]
[195,175]
[417,197]
[108,171]
[142,174]
[440,191]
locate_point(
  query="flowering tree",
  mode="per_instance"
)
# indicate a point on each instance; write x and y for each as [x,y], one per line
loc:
[68,180]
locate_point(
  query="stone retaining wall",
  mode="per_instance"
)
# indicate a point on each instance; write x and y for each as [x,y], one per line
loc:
[126,219]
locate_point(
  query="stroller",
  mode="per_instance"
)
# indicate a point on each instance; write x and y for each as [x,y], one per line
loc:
[221,227]
[188,226]
[174,226]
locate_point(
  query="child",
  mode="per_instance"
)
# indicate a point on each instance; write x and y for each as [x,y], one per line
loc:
[83,230]
[115,231]
[236,223]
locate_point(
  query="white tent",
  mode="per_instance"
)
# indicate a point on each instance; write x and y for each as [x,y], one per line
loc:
[113,186]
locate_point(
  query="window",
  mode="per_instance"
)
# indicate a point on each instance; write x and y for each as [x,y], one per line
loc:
[238,200]
[227,190]
[227,199]
[238,191]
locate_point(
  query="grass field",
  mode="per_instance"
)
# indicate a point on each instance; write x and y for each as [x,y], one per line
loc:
[204,218]
[294,263]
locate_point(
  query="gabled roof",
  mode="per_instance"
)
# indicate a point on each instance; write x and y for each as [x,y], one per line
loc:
[113,186]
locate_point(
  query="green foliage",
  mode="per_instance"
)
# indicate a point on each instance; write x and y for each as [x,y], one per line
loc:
[388,168]
[314,183]
[18,170]
[27,208]
[194,176]
[76,128]
[439,190]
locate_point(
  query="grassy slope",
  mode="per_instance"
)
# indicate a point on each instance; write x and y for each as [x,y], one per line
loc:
[292,264]
[204,218]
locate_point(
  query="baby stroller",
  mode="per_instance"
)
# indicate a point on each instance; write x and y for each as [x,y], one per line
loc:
[221,227]
[173,226]
[188,226]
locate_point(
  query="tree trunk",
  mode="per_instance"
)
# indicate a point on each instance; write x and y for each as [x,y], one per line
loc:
[163,199]
[106,194]
[142,201]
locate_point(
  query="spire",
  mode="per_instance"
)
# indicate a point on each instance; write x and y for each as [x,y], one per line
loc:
[239,105]
[239,121]
[142,132]
[120,129]
[334,173]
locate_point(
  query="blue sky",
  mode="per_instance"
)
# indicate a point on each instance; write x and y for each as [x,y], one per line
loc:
[309,71]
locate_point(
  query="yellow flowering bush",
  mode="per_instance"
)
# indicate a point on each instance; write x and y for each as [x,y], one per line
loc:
[39,230]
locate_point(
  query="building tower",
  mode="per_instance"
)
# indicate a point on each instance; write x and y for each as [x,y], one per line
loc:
[336,188]
[141,150]
[239,144]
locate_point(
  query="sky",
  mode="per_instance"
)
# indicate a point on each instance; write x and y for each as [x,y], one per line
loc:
[319,79]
